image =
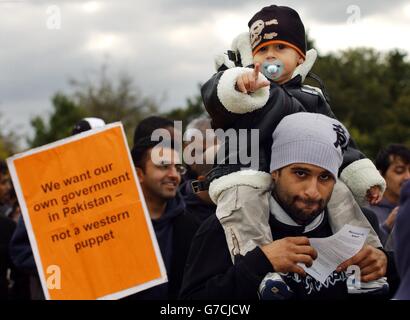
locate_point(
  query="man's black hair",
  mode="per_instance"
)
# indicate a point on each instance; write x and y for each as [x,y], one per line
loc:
[385,156]
[147,126]
[81,126]
[3,167]
[142,145]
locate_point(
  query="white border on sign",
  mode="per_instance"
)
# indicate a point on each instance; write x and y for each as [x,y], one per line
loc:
[27,221]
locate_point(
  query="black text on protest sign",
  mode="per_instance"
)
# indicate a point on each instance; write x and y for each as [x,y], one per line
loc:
[79,194]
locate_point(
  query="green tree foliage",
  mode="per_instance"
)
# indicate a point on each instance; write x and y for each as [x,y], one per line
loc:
[59,124]
[370,93]
[114,99]
[109,98]
[8,145]
[194,108]
[8,140]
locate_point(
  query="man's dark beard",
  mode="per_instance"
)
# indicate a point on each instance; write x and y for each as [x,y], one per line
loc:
[294,212]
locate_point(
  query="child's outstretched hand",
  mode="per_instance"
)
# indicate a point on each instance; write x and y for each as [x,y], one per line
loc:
[374,195]
[250,82]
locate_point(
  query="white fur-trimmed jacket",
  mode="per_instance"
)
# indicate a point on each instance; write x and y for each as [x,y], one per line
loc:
[263,110]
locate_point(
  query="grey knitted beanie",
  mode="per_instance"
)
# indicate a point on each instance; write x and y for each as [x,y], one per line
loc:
[309,138]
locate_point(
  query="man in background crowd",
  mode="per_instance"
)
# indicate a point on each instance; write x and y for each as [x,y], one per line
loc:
[200,145]
[393,162]
[174,229]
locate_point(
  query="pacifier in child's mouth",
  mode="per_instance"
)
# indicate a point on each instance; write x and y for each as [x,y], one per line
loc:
[272,69]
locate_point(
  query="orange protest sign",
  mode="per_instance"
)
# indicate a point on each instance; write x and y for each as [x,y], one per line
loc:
[86,218]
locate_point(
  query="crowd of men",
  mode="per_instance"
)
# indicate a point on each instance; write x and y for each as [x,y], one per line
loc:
[191,239]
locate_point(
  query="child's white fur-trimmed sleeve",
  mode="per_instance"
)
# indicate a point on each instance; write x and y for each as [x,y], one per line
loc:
[222,59]
[236,101]
[249,177]
[360,176]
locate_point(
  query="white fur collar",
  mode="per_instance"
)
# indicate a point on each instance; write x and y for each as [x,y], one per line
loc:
[242,44]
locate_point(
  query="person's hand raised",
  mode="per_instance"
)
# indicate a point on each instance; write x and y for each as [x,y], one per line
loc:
[250,82]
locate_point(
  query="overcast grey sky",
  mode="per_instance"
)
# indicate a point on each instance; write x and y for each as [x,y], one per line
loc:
[166,45]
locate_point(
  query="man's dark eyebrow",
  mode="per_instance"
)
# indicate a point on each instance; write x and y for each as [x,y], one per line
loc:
[325,172]
[307,170]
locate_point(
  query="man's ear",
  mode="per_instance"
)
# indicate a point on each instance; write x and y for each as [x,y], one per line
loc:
[140,174]
[300,61]
[275,175]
